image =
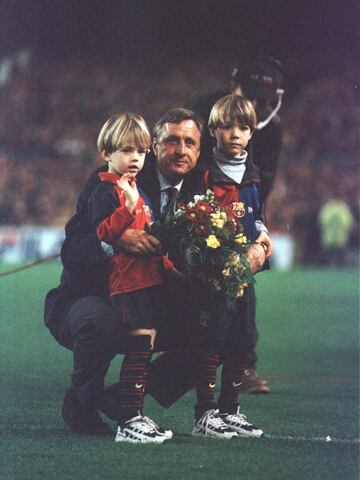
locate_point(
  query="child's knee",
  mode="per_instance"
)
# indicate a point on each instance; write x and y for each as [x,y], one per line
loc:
[151,332]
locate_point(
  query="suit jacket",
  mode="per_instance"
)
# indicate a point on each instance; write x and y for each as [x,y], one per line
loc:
[149,182]
[84,261]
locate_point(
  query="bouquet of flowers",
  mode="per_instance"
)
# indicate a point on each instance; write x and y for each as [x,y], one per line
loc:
[207,242]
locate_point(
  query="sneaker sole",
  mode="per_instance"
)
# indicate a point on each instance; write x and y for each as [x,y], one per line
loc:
[158,441]
[249,435]
[214,435]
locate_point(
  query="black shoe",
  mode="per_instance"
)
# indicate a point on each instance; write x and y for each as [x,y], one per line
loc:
[82,420]
[110,402]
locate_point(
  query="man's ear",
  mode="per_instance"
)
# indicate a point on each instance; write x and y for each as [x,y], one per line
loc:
[154,145]
[212,132]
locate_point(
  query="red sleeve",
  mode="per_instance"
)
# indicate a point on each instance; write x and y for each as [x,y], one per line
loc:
[168,264]
[112,227]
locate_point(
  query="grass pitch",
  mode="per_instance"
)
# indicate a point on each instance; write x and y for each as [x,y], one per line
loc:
[308,349]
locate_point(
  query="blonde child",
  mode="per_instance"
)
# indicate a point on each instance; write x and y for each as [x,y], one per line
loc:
[235,182]
[135,284]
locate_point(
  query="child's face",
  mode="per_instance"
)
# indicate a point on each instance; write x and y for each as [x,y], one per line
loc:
[126,159]
[232,138]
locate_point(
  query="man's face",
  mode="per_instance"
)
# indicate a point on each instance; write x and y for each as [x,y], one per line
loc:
[177,149]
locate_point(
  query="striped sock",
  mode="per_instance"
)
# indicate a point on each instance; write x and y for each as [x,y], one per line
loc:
[133,377]
[230,384]
[205,389]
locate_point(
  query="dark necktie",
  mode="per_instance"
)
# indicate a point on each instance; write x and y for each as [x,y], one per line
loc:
[172,195]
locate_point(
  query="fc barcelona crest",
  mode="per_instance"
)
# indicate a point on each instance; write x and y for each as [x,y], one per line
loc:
[238,209]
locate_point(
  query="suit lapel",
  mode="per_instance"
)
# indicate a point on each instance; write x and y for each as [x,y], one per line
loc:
[149,182]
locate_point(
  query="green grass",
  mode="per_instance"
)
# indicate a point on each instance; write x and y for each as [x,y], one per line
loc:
[308,348]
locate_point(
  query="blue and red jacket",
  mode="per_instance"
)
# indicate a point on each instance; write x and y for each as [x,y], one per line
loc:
[242,200]
[110,217]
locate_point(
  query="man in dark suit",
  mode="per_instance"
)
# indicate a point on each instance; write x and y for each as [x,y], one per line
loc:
[78,312]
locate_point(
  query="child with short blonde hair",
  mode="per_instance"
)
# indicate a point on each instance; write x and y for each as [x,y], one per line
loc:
[135,284]
[235,182]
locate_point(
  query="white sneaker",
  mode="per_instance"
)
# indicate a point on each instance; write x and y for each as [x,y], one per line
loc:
[168,434]
[237,422]
[211,425]
[139,430]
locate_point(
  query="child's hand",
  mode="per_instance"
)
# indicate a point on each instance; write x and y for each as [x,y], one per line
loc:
[129,188]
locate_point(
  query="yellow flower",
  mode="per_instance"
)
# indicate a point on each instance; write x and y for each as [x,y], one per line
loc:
[214,218]
[234,259]
[239,268]
[241,289]
[212,242]
[240,293]
[240,239]
[217,219]
[219,223]
[226,272]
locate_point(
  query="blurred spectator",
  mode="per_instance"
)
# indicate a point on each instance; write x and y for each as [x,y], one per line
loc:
[319,160]
[336,222]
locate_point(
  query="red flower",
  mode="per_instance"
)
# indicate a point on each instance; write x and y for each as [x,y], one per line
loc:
[204,208]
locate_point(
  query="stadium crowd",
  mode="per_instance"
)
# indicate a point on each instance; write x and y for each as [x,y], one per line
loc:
[319,162]
[51,112]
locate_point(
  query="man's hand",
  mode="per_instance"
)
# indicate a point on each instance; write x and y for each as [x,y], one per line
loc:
[139,243]
[265,240]
[255,256]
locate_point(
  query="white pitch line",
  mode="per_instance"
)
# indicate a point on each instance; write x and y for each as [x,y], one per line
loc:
[327,439]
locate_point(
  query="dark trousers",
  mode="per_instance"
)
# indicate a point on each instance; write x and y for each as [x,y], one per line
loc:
[92,331]
[95,336]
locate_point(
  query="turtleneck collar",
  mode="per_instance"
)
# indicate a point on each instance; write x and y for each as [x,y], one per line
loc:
[232,167]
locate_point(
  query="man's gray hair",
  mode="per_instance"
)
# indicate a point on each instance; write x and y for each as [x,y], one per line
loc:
[177,115]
